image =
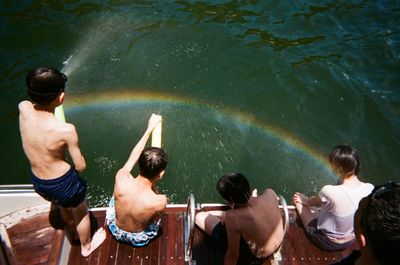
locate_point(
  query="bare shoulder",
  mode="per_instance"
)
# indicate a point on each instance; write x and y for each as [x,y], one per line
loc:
[65,130]
[121,176]
[25,107]
[161,202]
[25,104]
[269,193]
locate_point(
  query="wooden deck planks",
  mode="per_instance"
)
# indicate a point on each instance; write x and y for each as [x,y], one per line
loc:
[297,249]
[34,239]
[165,249]
[36,235]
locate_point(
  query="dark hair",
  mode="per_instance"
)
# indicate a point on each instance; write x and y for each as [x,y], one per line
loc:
[234,188]
[44,84]
[381,222]
[345,160]
[152,161]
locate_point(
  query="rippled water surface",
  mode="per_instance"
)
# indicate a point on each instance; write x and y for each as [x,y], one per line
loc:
[265,88]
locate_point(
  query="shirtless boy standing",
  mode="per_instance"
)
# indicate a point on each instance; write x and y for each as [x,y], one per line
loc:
[45,140]
[136,207]
[253,225]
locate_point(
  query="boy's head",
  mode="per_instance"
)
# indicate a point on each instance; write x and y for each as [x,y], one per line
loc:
[152,162]
[344,160]
[234,188]
[377,222]
[45,84]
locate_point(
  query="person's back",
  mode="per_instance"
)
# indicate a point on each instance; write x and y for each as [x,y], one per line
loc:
[252,220]
[341,202]
[136,204]
[46,154]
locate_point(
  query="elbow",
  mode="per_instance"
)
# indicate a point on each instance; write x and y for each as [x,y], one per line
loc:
[80,166]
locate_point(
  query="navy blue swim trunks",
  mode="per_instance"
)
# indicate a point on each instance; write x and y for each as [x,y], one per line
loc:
[67,191]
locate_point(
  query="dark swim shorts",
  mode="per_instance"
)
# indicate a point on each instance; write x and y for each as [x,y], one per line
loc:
[67,191]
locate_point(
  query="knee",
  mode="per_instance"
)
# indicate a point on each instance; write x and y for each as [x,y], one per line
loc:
[200,219]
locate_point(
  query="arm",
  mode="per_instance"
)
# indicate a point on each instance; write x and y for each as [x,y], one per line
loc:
[137,150]
[233,236]
[74,150]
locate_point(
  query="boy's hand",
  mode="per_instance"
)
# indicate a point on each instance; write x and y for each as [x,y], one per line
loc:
[153,121]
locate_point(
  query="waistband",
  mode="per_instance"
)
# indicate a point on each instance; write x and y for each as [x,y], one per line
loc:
[51,181]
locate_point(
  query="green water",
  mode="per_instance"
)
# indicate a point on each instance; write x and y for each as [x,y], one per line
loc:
[265,88]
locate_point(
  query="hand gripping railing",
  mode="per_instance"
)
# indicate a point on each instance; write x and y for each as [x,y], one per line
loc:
[189,228]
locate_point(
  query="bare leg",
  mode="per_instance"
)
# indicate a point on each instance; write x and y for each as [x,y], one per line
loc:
[82,221]
[306,213]
[206,221]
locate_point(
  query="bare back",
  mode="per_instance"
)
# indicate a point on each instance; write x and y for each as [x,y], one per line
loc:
[260,223]
[45,141]
[136,203]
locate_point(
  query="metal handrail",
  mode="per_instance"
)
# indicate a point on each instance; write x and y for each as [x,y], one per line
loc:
[16,188]
[189,229]
[285,212]
[277,254]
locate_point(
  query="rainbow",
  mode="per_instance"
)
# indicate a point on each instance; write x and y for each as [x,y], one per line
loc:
[144,96]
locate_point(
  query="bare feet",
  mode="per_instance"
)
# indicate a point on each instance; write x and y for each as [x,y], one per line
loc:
[97,239]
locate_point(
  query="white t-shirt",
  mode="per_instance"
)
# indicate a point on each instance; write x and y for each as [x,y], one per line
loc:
[337,213]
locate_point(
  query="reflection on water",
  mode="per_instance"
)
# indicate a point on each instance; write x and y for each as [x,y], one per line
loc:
[262,87]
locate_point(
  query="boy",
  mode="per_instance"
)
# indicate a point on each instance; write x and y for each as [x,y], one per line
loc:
[45,141]
[136,206]
[253,225]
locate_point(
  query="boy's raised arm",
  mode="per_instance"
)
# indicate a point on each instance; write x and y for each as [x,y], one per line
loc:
[137,150]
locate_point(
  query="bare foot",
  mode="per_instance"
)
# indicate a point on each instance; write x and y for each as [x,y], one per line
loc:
[97,239]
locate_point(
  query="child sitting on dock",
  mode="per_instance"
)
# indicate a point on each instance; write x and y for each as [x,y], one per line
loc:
[45,140]
[331,226]
[253,228]
[136,207]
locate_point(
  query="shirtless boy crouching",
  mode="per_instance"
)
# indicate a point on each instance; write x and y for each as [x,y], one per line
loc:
[252,228]
[136,207]
[45,141]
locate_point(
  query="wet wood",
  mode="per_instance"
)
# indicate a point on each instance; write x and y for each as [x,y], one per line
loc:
[33,239]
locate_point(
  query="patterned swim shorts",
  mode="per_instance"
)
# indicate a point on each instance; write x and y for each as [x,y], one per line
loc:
[135,239]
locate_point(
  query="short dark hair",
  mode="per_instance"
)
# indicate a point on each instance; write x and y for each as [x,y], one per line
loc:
[152,161]
[345,160]
[380,221]
[234,188]
[44,84]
